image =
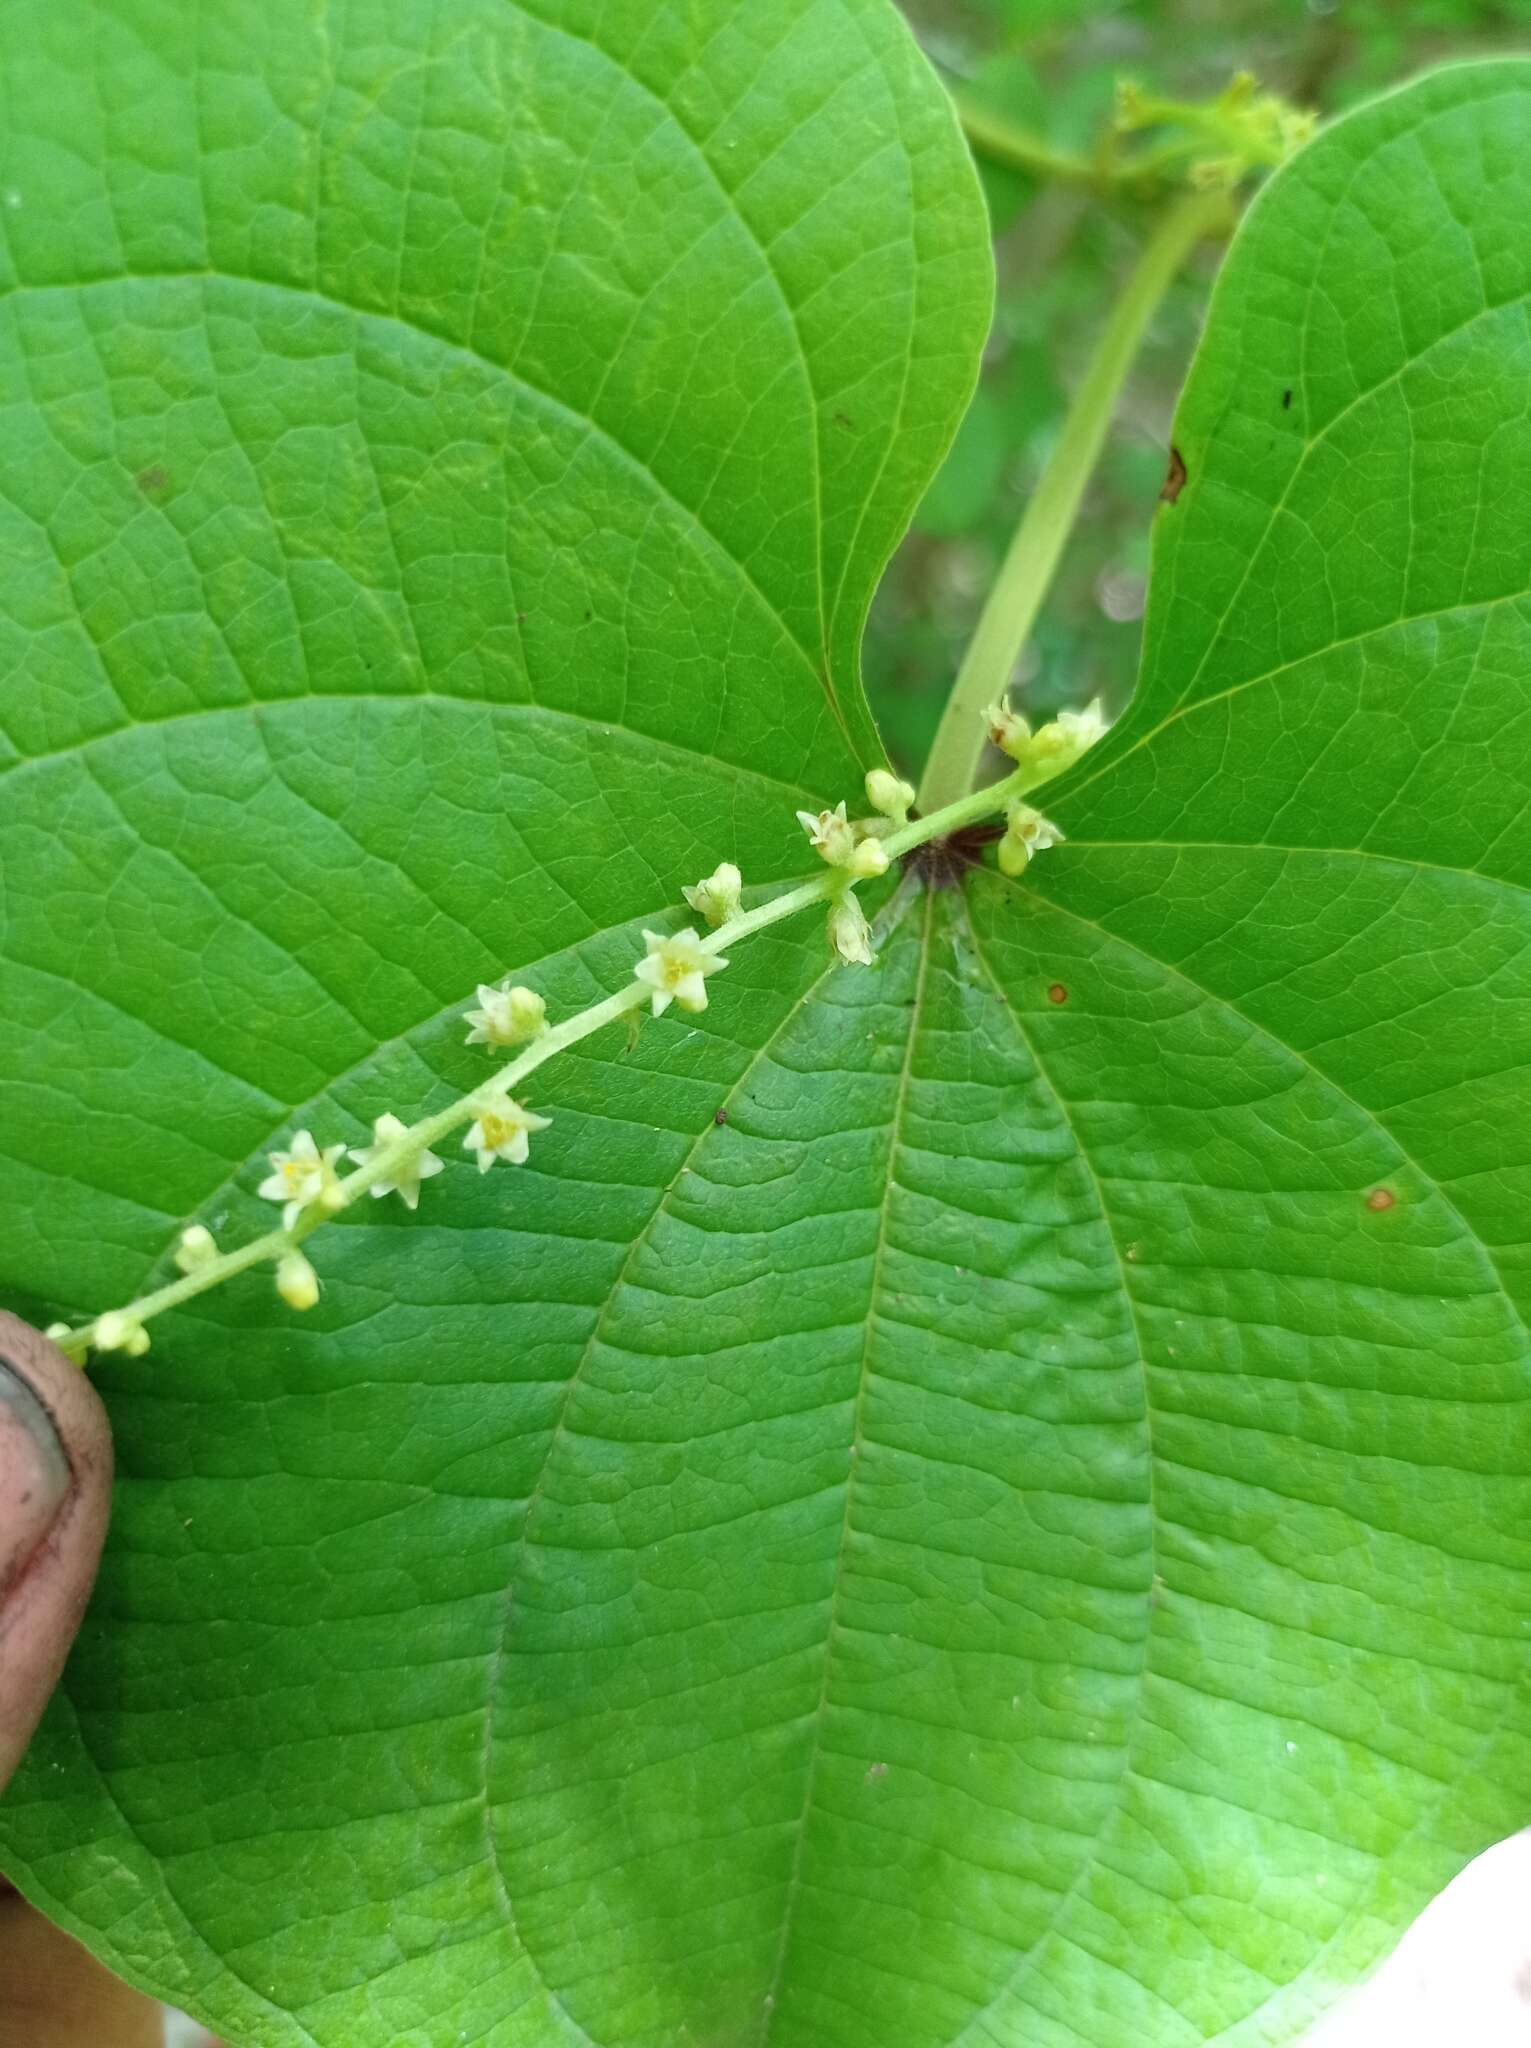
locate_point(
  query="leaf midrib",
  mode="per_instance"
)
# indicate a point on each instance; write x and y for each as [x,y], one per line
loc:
[1087,1861]
[525,1538]
[771,2004]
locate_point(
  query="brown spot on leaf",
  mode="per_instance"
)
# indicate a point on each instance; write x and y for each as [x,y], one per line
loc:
[876,1771]
[1381,1198]
[1057,993]
[1174,478]
[720,1116]
[151,481]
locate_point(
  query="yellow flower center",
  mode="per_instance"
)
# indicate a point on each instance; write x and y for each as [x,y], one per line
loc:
[497,1130]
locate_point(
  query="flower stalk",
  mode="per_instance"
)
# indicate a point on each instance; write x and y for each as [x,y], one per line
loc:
[401,1155]
[1026,574]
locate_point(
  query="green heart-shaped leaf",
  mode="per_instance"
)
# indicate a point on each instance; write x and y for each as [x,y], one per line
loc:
[976,1502]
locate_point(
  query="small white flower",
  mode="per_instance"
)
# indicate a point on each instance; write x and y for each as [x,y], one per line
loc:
[197,1247]
[716,899]
[296,1281]
[1027,832]
[1085,727]
[1006,728]
[501,1131]
[303,1176]
[849,932]
[886,793]
[673,969]
[844,845]
[830,834]
[408,1172]
[508,1016]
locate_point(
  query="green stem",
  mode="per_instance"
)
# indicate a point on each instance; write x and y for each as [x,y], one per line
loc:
[272,1244]
[1108,170]
[1003,142]
[1007,618]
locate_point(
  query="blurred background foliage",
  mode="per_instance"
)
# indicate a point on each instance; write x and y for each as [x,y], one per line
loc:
[1049,69]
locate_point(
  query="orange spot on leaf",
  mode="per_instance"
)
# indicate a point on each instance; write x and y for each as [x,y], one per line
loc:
[1381,1198]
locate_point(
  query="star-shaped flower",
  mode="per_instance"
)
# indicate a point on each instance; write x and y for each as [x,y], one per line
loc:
[303,1176]
[408,1171]
[502,1130]
[830,834]
[673,969]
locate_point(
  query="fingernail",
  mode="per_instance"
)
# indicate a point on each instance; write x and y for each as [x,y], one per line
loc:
[34,1475]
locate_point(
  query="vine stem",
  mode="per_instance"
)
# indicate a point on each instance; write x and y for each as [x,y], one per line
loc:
[1107,172]
[274,1244]
[1011,608]
[1002,141]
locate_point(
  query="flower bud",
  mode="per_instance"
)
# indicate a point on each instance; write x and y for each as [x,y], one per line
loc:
[507,1016]
[197,1247]
[717,898]
[849,932]
[1027,832]
[886,793]
[1006,728]
[118,1332]
[866,860]
[296,1281]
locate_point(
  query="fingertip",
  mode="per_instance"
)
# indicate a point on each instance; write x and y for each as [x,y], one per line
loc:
[55,1490]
